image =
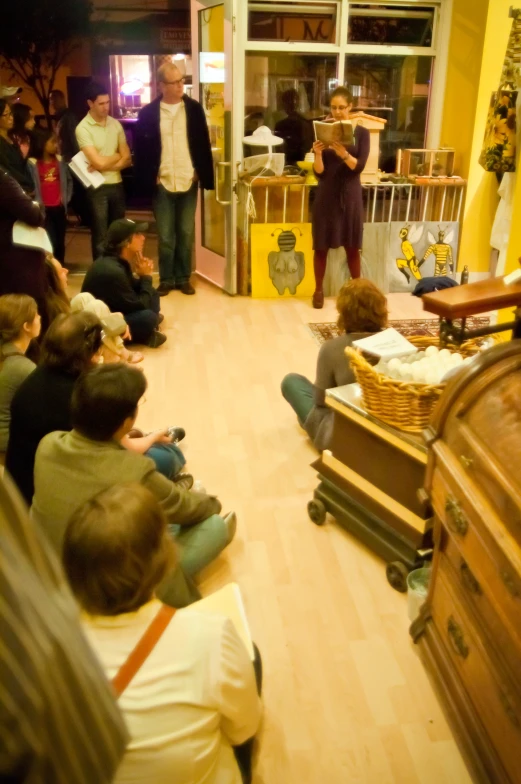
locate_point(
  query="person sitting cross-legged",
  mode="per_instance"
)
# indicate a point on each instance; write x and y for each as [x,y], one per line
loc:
[195,696]
[122,278]
[70,468]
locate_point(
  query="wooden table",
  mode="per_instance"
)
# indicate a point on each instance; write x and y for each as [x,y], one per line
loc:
[369,482]
[459,302]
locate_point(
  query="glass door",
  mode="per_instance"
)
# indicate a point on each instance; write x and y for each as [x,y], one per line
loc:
[212,44]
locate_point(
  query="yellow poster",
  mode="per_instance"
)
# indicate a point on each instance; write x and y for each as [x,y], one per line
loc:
[281,260]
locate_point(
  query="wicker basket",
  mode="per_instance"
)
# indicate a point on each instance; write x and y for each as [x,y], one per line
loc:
[405,405]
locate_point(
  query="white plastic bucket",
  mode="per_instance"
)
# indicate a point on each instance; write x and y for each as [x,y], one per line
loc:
[417,589]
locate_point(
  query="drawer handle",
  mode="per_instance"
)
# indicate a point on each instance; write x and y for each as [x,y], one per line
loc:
[510,582]
[457,638]
[456,520]
[509,710]
[468,579]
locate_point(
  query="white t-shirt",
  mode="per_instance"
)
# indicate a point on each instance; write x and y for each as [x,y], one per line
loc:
[194,697]
[176,171]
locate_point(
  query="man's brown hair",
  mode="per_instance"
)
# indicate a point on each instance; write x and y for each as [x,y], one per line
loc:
[361,306]
[117,550]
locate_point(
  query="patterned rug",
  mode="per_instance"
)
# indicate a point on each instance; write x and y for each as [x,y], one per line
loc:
[407,327]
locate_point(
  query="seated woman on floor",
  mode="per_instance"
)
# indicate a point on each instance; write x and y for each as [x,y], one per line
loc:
[362,311]
[195,696]
[19,325]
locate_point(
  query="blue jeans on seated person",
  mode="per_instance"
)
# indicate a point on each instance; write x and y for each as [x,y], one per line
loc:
[175,220]
[299,392]
[168,458]
[200,543]
[142,323]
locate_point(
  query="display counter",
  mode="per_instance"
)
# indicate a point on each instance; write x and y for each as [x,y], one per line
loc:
[382,507]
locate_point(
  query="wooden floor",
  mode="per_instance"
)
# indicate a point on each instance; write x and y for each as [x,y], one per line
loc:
[346,698]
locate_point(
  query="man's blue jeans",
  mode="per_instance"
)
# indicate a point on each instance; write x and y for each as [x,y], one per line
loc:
[175,221]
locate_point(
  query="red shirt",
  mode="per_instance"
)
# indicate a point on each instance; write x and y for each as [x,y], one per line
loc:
[49,174]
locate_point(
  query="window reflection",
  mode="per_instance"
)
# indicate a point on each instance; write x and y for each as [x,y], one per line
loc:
[396,88]
[390,24]
[286,92]
[291,21]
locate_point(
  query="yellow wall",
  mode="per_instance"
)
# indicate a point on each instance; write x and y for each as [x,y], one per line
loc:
[478,26]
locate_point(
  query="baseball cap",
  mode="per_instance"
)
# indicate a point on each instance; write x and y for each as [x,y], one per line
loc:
[120,230]
[8,92]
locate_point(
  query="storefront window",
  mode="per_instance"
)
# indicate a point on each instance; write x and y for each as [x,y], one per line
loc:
[390,24]
[280,84]
[396,88]
[292,21]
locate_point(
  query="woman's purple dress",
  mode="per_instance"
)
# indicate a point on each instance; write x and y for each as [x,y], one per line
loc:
[338,211]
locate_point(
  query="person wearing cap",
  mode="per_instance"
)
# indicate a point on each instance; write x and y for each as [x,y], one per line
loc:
[122,278]
[102,139]
[174,158]
[10,94]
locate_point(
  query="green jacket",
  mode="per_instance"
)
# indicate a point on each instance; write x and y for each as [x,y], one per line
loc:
[70,469]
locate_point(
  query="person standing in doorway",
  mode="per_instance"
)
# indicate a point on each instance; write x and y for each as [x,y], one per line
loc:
[174,156]
[103,141]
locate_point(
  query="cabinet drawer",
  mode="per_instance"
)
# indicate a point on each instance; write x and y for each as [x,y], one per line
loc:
[492,555]
[498,481]
[505,640]
[495,701]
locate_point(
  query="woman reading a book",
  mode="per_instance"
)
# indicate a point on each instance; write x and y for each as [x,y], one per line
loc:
[193,696]
[338,209]
[362,311]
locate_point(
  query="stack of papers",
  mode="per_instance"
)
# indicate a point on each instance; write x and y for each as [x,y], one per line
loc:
[31,237]
[386,344]
[80,167]
[228,602]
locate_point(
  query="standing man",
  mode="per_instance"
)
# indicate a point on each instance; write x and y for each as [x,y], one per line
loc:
[103,141]
[174,157]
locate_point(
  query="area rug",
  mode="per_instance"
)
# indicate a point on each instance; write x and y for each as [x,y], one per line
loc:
[407,327]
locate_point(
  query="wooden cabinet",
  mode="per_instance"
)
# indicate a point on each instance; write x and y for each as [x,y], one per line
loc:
[469,629]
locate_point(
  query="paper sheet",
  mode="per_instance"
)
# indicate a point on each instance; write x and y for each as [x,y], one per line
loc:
[31,237]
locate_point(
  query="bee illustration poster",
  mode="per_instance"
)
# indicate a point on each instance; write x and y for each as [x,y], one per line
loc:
[281,260]
[421,250]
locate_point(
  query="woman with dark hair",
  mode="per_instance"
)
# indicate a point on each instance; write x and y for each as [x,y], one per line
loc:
[42,403]
[11,158]
[362,310]
[23,127]
[338,218]
[19,325]
[195,697]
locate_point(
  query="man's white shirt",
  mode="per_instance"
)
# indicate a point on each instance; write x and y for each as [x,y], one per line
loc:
[176,171]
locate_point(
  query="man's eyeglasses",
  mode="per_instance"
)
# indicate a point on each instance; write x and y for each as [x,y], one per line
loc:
[7,114]
[177,81]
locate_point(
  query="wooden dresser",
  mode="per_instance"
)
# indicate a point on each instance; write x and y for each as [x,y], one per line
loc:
[469,629]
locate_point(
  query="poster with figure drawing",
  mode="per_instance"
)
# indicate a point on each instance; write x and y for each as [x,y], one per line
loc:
[281,260]
[421,250]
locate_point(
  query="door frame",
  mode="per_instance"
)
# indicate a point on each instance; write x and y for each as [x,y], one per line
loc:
[207,259]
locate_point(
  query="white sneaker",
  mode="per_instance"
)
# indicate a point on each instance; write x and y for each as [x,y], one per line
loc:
[230,520]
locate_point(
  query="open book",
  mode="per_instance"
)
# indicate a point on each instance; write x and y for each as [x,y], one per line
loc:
[31,237]
[227,601]
[386,344]
[329,132]
[79,166]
